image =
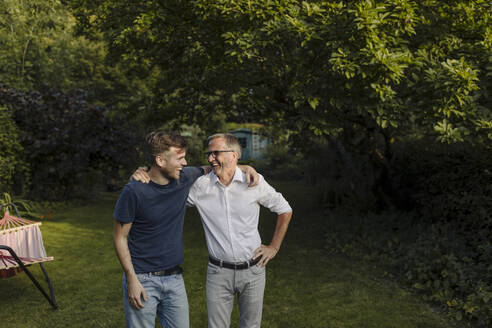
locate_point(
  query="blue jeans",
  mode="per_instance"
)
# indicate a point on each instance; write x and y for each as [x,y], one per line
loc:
[166,297]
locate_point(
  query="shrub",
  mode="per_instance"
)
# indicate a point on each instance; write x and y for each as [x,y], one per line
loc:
[430,259]
[442,247]
[70,145]
[22,207]
[447,183]
[11,150]
[280,162]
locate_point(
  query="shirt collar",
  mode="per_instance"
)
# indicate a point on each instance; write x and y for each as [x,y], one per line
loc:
[238,176]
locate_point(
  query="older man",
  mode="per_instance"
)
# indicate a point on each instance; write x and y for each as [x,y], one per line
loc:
[230,213]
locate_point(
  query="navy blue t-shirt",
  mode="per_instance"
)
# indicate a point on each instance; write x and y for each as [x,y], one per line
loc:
[157,214]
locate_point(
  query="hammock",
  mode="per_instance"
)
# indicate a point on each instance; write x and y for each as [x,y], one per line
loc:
[24,237]
[21,245]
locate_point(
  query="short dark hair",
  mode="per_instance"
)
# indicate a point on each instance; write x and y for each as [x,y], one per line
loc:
[159,142]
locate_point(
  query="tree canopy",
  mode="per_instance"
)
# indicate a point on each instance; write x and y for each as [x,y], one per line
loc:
[313,67]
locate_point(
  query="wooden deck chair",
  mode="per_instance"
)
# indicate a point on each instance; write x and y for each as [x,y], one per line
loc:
[21,245]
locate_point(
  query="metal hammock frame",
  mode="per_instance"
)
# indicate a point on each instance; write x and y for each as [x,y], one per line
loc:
[51,297]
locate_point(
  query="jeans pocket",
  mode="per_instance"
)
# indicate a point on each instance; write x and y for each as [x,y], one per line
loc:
[178,277]
[212,268]
[257,269]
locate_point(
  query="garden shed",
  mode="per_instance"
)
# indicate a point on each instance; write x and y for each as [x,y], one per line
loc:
[253,144]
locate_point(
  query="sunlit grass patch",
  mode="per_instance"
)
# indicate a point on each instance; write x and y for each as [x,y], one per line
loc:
[306,286]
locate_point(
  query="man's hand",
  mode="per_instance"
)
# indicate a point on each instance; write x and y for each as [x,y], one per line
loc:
[266,252]
[141,175]
[136,293]
[252,177]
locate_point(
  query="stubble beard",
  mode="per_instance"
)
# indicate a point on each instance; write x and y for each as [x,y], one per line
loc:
[169,174]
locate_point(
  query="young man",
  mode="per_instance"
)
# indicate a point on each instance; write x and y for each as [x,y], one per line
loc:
[148,236]
[230,213]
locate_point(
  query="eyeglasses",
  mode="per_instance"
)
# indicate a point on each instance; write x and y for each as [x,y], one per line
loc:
[216,153]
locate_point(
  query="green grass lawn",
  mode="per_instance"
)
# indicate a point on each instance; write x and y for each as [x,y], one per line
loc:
[306,287]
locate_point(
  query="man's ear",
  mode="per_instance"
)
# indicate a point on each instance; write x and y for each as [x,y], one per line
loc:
[160,160]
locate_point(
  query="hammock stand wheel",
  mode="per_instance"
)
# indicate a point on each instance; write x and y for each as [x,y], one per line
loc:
[20,265]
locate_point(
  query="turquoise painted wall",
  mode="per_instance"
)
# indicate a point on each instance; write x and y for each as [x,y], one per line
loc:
[253,145]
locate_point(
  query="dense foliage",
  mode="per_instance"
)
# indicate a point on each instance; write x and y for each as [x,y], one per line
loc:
[442,247]
[451,187]
[11,150]
[39,47]
[69,145]
[312,67]
[354,74]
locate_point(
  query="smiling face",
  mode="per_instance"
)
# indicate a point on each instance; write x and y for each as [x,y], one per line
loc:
[172,162]
[224,162]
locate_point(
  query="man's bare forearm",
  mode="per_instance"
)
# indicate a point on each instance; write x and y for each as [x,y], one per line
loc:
[266,253]
[243,167]
[283,221]
[120,241]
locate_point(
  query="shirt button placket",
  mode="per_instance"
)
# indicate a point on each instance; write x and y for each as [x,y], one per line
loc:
[229,223]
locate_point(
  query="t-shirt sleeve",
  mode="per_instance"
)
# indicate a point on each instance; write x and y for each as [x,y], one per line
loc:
[126,205]
[192,173]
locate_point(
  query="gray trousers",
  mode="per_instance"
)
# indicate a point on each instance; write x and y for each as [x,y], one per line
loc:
[223,284]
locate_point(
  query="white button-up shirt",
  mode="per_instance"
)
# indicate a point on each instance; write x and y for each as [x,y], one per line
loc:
[230,213]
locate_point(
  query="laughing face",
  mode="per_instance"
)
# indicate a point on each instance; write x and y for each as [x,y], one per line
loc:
[221,158]
[173,162]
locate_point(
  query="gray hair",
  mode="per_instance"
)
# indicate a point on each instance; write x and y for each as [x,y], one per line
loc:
[230,139]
